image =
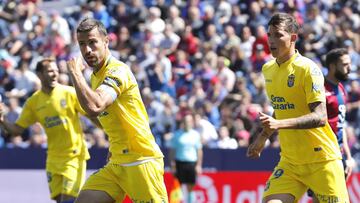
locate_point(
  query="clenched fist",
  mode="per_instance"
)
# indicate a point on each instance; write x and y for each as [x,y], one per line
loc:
[75,65]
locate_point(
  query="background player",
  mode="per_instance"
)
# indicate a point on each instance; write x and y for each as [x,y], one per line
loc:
[57,109]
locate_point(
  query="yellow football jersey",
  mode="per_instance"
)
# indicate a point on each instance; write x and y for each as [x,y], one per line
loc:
[290,88]
[125,121]
[58,113]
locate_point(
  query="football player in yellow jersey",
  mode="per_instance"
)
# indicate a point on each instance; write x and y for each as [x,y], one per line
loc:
[310,156]
[57,109]
[135,167]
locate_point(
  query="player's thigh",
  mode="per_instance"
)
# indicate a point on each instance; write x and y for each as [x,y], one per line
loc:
[105,181]
[145,182]
[94,196]
[55,184]
[282,183]
[74,178]
[80,175]
[328,182]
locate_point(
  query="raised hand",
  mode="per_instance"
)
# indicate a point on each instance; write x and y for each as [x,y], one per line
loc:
[75,65]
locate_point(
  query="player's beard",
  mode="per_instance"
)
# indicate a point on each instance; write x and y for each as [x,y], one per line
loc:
[92,63]
[341,76]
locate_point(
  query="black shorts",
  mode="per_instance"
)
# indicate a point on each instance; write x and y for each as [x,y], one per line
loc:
[185,172]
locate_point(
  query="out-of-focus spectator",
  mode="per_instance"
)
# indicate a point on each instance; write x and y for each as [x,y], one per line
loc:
[240,64]
[314,19]
[224,141]
[59,25]
[167,120]
[14,41]
[14,110]
[99,137]
[229,39]
[101,14]
[182,71]
[175,20]
[223,11]
[17,142]
[170,41]
[247,40]
[154,110]
[197,95]
[355,59]
[261,39]
[259,58]
[25,81]
[206,130]
[38,138]
[125,46]
[188,42]
[194,21]
[226,76]
[163,6]
[154,23]
[353,105]
[120,15]
[238,19]
[256,18]
[137,15]
[77,15]
[243,138]
[212,36]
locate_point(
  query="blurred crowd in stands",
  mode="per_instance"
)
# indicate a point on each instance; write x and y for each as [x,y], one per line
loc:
[198,57]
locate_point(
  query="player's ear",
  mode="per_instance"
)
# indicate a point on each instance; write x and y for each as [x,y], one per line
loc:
[106,40]
[294,37]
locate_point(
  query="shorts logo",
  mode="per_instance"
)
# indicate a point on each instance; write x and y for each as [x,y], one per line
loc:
[278,173]
[328,198]
[143,201]
[291,80]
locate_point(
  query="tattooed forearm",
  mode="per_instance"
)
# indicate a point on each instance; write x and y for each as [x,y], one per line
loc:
[312,120]
[316,118]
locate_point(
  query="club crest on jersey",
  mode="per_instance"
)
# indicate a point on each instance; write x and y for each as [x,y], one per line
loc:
[63,103]
[291,80]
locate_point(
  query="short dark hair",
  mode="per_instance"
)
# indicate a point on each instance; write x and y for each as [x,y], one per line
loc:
[288,21]
[43,64]
[334,55]
[88,24]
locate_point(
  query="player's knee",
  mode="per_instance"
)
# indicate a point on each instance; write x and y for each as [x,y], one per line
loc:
[67,198]
[279,198]
[68,201]
[93,196]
